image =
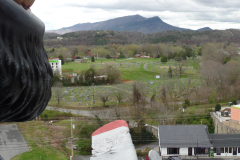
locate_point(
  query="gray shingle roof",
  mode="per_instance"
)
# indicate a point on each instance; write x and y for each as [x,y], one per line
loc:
[225,140]
[184,136]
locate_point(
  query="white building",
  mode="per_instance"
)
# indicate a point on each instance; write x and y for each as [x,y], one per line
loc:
[56,65]
[184,140]
[194,140]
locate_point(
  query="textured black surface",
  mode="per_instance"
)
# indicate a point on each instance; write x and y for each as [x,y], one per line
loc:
[25,73]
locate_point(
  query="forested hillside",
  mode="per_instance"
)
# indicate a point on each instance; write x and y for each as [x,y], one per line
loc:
[130,37]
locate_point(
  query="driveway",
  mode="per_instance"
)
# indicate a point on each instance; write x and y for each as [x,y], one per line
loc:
[153,146]
[12,142]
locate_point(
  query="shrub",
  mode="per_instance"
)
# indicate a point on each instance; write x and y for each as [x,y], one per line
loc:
[84,146]
[61,58]
[56,78]
[187,102]
[234,101]
[211,100]
[93,59]
[108,56]
[121,55]
[217,107]
[164,59]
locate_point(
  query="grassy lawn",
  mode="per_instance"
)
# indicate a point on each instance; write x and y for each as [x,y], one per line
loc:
[44,141]
[44,153]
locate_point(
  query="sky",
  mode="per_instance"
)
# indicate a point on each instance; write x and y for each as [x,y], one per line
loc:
[191,14]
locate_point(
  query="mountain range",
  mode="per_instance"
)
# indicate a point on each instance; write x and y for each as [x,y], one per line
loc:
[128,23]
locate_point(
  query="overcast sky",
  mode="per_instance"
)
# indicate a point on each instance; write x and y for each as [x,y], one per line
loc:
[192,14]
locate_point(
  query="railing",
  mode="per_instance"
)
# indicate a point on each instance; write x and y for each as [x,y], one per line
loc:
[218,117]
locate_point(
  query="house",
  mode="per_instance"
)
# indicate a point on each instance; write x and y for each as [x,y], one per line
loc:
[226,144]
[184,140]
[235,112]
[138,55]
[56,65]
[226,112]
[194,140]
[60,38]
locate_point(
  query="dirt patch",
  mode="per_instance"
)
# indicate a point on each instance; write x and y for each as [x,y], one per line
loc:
[56,134]
[126,81]
[64,71]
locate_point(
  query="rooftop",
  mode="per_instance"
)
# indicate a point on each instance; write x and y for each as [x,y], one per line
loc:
[236,106]
[184,136]
[225,140]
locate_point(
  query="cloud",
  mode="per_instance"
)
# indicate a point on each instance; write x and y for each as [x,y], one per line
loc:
[191,14]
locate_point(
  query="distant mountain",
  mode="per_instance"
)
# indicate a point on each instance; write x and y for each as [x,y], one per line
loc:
[204,29]
[128,23]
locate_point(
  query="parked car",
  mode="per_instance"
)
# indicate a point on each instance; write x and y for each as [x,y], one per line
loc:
[74,147]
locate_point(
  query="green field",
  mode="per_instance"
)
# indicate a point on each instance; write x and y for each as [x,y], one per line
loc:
[132,70]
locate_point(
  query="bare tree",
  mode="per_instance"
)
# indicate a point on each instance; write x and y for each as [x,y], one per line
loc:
[189,87]
[58,91]
[120,95]
[104,97]
[179,67]
[163,94]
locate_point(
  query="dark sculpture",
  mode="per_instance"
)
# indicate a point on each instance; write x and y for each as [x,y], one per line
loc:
[25,73]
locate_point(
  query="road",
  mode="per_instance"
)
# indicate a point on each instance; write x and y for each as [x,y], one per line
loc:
[145,68]
[12,142]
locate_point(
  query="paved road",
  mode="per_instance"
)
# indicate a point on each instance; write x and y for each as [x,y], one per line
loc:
[82,157]
[145,68]
[12,142]
[104,114]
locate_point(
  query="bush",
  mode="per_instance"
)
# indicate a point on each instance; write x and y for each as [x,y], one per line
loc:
[84,146]
[93,59]
[61,58]
[108,56]
[121,55]
[211,100]
[164,59]
[187,102]
[56,78]
[234,101]
[141,136]
[217,107]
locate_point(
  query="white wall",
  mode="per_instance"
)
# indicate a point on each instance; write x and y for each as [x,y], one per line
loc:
[164,151]
[227,154]
[183,151]
[56,66]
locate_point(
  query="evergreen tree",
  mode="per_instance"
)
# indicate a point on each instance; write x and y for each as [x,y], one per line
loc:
[93,59]
[164,59]
[61,58]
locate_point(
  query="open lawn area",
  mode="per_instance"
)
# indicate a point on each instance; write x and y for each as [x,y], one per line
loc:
[44,141]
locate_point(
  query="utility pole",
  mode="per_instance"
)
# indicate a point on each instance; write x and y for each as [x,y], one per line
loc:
[72,137]
[93,93]
[197,149]
[182,110]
